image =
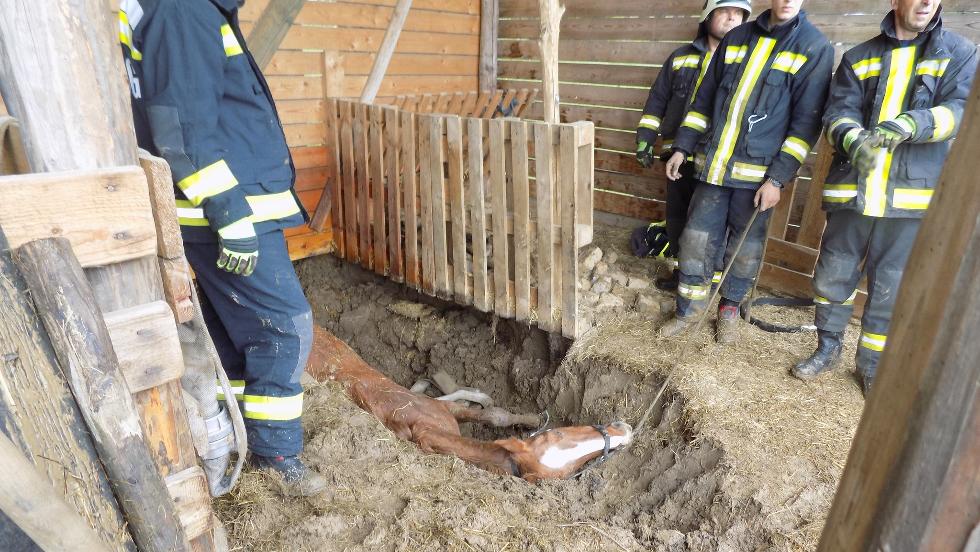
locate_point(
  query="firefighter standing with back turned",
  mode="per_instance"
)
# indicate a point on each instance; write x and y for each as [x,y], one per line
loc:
[201,102]
[895,105]
[751,125]
[672,92]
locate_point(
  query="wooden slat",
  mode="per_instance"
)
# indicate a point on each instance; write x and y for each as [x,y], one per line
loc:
[170,243]
[568,168]
[544,145]
[189,489]
[781,212]
[442,103]
[522,237]
[478,217]
[425,188]
[358,15]
[363,184]
[176,277]
[469,104]
[105,214]
[592,50]
[326,209]
[814,220]
[598,73]
[457,210]
[489,32]
[440,251]
[585,182]
[369,40]
[270,29]
[350,249]
[456,104]
[336,185]
[498,206]
[410,190]
[393,197]
[146,344]
[378,219]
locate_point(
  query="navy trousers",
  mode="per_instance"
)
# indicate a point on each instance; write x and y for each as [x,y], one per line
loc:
[717,211]
[262,327]
[854,245]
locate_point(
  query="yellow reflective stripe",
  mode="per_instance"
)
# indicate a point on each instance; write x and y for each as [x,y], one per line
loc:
[838,123]
[875,342]
[237,387]
[867,68]
[899,76]
[208,182]
[796,147]
[749,172]
[733,126]
[685,61]
[824,301]
[258,407]
[932,67]
[839,193]
[692,292]
[735,54]
[126,36]
[911,198]
[716,277]
[264,208]
[944,122]
[230,41]
[696,121]
[704,69]
[651,122]
[789,62]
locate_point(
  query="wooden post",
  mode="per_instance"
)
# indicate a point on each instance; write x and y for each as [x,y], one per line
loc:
[911,481]
[489,23]
[82,344]
[551,13]
[270,28]
[383,57]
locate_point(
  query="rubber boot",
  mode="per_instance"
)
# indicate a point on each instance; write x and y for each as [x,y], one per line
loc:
[300,480]
[669,283]
[866,381]
[726,327]
[824,359]
[676,326]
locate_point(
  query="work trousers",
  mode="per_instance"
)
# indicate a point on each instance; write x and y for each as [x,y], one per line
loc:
[679,194]
[262,327]
[854,245]
[717,211]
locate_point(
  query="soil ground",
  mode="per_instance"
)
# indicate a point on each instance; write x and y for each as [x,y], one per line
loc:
[737,455]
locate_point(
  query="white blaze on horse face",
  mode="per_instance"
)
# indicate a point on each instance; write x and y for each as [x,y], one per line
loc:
[557,457]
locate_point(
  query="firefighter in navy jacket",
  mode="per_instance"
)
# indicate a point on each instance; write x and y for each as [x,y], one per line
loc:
[895,105]
[667,103]
[201,103]
[750,127]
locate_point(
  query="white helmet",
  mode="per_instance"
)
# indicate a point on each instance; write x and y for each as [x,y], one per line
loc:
[712,5]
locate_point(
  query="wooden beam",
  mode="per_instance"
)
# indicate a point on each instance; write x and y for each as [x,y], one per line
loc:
[105,213]
[270,28]
[911,481]
[383,58]
[159,180]
[81,342]
[13,157]
[489,23]
[551,13]
[146,344]
[189,490]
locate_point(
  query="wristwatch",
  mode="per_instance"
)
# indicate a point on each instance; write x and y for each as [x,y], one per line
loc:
[776,183]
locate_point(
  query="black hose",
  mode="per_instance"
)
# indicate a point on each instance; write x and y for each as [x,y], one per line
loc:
[777,302]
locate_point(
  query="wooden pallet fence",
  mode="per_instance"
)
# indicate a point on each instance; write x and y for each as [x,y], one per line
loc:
[494,104]
[484,212]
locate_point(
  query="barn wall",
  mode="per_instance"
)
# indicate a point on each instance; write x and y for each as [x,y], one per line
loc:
[610,54]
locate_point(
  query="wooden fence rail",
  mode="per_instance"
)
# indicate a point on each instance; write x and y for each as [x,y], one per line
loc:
[489,213]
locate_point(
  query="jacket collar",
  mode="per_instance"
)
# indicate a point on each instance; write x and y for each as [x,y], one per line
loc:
[780,31]
[227,6]
[888,25]
[701,42]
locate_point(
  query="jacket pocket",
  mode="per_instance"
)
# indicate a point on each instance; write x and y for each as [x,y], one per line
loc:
[924,94]
[764,127]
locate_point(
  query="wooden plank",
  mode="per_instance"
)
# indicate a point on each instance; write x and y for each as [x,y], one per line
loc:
[498,214]
[568,168]
[550,13]
[332,208]
[270,29]
[814,219]
[482,101]
[591,50]
[457,209]
[437,180]
[544,145]
[351,245]
[68,309]
[369,40]
[780,213]
[489,23]
[641,76]
[491,108]
[190,492]
[385,51]
[393,197]
[369,16]
[442,103]
[522,220]
[425,193]
[378,218]
[692,8]
[469,104]
[176,278]
[478,216]
[409,182]
[363,184]
[310,244]
[170,243]
[146,345]
[104,213]
[793,256]
[585,181]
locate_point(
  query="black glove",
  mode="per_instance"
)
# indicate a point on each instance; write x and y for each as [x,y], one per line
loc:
[239,248]
[645,138]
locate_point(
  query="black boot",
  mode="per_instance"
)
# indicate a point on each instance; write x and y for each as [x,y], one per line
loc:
[669,283]
[866,381]
[824,359]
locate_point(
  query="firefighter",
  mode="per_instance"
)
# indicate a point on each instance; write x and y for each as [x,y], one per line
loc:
[895,105]
[750,126]
[669,98]
[201,102]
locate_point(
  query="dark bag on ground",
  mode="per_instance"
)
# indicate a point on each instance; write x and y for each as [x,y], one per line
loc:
[650,240]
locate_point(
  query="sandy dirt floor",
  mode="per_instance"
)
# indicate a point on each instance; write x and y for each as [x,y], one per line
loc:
[737,454]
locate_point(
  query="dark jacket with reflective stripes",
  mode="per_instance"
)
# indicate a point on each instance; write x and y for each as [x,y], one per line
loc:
[928,79]
[201,103]
[757,112]
[671,92]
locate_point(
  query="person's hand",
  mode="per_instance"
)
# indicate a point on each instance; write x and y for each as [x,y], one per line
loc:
[239,248]
[864,152]
[767,196]
[644,154]
[892,133]
[673,169]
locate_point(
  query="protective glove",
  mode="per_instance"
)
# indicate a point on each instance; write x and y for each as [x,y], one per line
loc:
[863,152]
[239,248]
[645,139]
[894,132]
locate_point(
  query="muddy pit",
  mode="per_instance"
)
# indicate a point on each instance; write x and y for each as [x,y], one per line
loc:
[707,473]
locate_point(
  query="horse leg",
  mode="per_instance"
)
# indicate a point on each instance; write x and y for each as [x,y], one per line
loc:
[484,454]
[493,416]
